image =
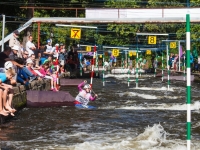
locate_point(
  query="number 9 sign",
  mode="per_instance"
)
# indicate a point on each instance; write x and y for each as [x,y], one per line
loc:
[148,52]
[130,53]
[88,48]
[115,52]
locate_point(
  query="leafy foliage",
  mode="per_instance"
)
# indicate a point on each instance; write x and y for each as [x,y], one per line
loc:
[107,34]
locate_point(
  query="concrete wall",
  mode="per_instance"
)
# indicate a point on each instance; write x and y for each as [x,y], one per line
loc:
[19,99]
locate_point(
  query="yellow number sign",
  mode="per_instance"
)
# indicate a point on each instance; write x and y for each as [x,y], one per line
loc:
[152,40]
[88,48]
[115,52]
[100,56]
[172,44]
[148,52]
[130,53]
[134,53]
[75,33]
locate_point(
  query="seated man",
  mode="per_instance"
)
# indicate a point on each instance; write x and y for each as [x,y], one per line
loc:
[34,66]
[4,57]
[23,74]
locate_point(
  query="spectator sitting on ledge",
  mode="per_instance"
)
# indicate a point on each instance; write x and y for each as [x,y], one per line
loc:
[7,92]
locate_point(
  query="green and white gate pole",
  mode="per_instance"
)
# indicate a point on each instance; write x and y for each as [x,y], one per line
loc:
[162,66]
[155,66]
[128,77]
[129,72]
[126,60]
[188,81]
[137,68]
[103,71]
[122,63]
[179,57]
[168,70]
[184,68]
[140,71]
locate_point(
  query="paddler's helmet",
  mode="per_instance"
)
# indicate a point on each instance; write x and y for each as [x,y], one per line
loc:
[87,86]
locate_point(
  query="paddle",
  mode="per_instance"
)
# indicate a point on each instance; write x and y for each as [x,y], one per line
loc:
[94,93]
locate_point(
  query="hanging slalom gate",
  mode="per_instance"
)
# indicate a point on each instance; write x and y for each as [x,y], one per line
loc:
[124,68]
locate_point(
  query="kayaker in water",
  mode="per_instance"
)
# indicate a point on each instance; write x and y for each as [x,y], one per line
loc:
[84,95]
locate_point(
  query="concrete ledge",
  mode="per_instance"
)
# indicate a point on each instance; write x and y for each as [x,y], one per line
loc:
[20,95]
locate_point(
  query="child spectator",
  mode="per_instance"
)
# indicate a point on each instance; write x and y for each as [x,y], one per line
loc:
[44,70]
[30,65]
[7,92]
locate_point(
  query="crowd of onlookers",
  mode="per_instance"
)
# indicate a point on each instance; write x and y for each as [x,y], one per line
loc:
[24,64]
[174,62]
[194,62]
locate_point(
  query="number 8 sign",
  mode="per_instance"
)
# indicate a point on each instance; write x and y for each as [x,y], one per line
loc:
[152,40]
[115,52]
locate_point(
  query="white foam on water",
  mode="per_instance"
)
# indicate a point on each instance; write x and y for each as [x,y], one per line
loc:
[145,96]
[118,76]
[150,96]
[155,88]
[194,106]
[152,138]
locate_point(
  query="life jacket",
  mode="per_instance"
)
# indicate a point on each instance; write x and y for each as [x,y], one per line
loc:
[83,97]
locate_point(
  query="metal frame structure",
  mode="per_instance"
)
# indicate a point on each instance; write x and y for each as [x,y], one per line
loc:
[97,20]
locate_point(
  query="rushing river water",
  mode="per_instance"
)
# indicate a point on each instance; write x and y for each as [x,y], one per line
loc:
[147,118]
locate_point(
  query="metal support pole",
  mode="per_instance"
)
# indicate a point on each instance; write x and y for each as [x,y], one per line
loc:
[3,29]
[162,66]
[179,57]
[103,71]
[38,35]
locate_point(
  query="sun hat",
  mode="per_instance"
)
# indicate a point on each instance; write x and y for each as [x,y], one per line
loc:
[15,47]
[28,61]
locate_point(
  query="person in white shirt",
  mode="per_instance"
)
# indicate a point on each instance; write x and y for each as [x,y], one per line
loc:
[54,51]
[30,47]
